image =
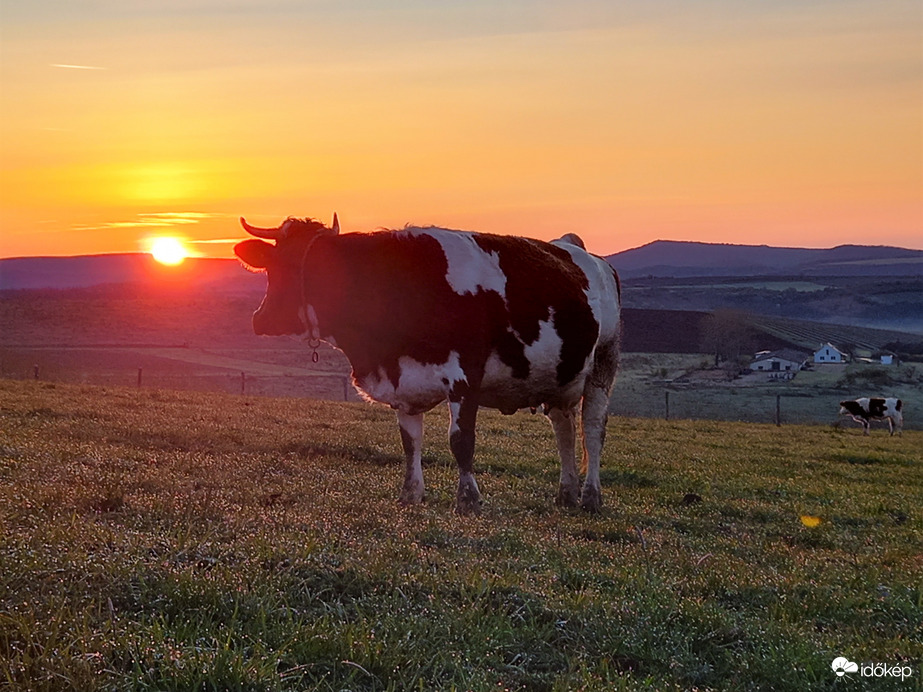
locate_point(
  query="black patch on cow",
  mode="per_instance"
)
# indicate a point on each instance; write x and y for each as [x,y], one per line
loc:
[461,440]
[407,441]
[854,408]
[899,405]
[877,407]
[458,391]
[512,353]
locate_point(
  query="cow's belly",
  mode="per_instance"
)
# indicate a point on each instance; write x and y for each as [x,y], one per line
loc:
[420,386]
[502,391]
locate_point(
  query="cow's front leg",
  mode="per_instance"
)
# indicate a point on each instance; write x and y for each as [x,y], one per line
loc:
[461,440]
[564,422]
[412,440]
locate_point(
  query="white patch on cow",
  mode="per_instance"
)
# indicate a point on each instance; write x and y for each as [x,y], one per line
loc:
[420,386]
[499,389]
[414,488]
[377,387]
[454,410]
[603,291]
[544,353]
[470,269]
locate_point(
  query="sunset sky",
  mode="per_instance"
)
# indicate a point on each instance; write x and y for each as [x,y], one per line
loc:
[791,122]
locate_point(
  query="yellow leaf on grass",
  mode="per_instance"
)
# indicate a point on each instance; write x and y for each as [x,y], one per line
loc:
[810,521]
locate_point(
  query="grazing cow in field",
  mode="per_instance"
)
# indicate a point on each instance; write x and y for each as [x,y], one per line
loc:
[426,315]
[868,409]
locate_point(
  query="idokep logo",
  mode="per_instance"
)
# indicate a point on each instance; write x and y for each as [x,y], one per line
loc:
[844,667]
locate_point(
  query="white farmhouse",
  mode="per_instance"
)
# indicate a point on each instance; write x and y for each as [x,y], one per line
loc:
[828,353]
[779,361]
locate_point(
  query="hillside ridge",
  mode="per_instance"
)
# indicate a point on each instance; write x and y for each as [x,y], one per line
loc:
[660,258]
[689,259]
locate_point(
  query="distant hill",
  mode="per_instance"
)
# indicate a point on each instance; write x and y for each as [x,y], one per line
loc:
[668,258]
[661,258]
[138,269]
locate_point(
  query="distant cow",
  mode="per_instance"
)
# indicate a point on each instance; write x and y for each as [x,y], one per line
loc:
[868,409]
[427,315]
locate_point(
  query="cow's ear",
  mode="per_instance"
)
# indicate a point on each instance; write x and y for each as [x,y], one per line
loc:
[255,253]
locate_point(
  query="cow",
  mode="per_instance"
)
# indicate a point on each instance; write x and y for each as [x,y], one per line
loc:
[427,315]
[867,409]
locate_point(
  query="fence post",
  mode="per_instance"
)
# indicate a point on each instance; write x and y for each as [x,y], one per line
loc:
[243,382]
[35,371]
[666,404]
[139,377]
[778,410]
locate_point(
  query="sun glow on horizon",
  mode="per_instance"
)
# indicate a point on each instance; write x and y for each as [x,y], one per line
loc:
[168,250]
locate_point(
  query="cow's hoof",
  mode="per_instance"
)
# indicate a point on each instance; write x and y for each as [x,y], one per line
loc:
[468,499]
[412,495]
[567,497]
[468,510]
[592,499]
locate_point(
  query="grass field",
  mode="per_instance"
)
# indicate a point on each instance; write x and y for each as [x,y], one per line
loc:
[154,540]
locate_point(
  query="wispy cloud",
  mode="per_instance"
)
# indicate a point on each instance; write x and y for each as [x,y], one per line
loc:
[152,220]
[179,217]
[77,67]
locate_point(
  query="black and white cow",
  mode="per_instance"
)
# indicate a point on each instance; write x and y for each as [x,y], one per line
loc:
[867,409]
[426,315]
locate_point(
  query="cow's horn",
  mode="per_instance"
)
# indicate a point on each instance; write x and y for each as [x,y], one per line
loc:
[336,224]
[267,233]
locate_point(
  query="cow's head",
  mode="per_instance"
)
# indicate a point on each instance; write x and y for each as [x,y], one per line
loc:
[283,308]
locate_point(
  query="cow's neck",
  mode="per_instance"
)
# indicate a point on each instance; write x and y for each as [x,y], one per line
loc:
[323,306]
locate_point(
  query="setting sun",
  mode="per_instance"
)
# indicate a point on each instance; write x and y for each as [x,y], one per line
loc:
[170,251]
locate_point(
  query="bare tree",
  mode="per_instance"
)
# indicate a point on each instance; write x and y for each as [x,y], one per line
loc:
[726,333]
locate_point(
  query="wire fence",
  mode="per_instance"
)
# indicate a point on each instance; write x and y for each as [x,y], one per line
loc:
[697,403]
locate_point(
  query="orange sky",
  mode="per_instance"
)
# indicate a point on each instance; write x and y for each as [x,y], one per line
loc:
[785,123]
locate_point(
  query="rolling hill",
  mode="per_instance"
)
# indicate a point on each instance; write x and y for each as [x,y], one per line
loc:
[661,258]
[667,258]
[84,271]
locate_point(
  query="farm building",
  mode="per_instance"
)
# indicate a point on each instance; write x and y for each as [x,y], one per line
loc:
[785,360]
[828,353]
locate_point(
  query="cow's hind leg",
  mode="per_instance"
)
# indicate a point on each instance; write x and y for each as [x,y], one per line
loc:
[593,419]
[564,422]
[461,440]
[412,440]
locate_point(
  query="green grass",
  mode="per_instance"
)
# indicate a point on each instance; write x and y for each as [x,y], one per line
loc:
[152,540]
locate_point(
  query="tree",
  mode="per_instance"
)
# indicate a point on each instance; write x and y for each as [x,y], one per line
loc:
[727,333]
